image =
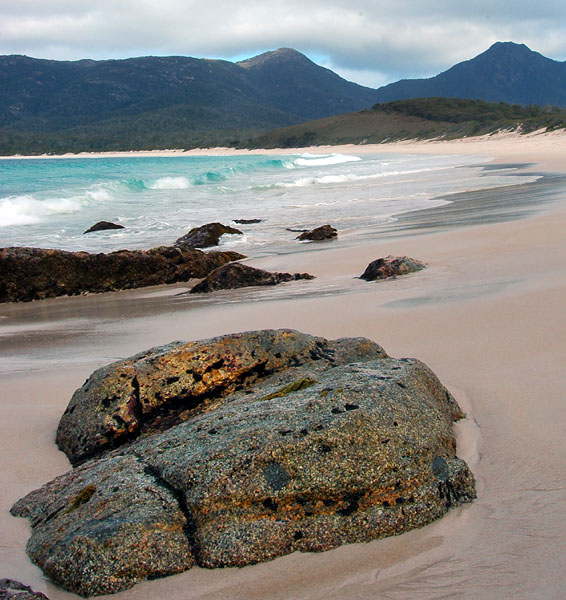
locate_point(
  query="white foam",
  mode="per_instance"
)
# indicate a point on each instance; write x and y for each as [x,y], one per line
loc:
[315,160]
[170,183]
[26,210]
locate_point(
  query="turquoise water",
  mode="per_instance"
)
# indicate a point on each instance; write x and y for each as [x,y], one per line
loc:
[49,203]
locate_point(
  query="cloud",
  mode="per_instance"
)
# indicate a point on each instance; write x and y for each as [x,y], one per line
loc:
[373,41]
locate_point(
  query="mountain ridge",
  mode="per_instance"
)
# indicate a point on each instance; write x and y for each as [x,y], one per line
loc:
[177,101]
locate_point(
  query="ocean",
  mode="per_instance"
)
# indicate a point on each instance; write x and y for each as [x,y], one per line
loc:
[49,203]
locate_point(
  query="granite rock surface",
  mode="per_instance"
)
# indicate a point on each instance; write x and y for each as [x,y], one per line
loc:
[239,449]
[14,590]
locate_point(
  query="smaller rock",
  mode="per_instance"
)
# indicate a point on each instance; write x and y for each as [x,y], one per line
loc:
[103,225]
[326,232]
[14,590]
[238,276]
[205,236]
[247,221]
[295,230]
[391,266]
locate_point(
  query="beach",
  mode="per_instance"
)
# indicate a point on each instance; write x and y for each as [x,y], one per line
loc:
[487,316]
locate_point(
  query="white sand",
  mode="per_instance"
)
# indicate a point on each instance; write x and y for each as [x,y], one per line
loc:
[487,316]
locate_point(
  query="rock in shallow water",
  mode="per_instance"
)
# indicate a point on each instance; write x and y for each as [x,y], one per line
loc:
[391,266]
[103,226]
[325,232]
[237,275]
[205,236]
[274,441]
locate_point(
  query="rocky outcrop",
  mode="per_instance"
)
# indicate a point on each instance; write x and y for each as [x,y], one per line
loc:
[103,226]
[325,232]
[36,273]
[205,236]
[14,590]
[391,266]
[237,275]
[239,449]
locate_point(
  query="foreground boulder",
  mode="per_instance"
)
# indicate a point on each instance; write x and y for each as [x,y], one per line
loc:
[103,226]
[391,266]
[14,590]
[325,232]
[240,449]
[237,275]
[205,236]
[36,273]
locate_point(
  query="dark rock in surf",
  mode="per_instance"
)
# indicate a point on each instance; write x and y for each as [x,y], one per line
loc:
[391,266]
[325,232]
[14,590]
[205,236]
[37,273]
[237,275]
[239,449]
[247,221]
[103,226]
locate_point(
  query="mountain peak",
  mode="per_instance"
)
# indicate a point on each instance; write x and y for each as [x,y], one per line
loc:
[282,54]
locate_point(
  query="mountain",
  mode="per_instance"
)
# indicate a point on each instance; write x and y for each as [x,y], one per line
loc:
[182,102]
[292,82]
[506,72]
[112,103]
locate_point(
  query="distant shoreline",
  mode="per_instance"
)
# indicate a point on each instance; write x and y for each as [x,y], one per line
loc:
[539,146]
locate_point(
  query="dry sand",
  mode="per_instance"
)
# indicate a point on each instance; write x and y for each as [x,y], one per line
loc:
[487,316]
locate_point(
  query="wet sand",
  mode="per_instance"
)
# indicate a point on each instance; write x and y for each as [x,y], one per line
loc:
[487,316]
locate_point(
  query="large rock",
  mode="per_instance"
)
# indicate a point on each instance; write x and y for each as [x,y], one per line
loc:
[103,527]
[391,266]
[14,590]
[205,236]
[325,232]
[265,442]
[36,273]
[104,226]
[237,275]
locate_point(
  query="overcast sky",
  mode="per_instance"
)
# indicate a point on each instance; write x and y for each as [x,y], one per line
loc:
[372,42]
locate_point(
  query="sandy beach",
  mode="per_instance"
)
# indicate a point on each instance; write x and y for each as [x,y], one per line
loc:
[487,316]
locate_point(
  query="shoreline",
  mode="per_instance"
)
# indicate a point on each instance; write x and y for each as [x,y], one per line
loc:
[517,146]
[486,316]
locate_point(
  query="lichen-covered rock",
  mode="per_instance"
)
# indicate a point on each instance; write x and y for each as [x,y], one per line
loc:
[205,236]
[103,527]
[391,266]
[104,226]
[278,441]
[14,590]
[165,385]
[36,273]
[325,232]
[237,275]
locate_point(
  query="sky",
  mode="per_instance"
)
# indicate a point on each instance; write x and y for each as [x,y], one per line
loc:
[372,42]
